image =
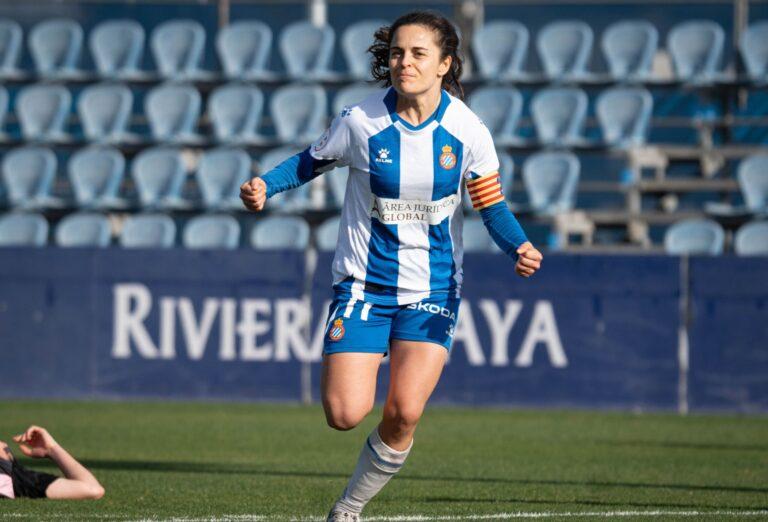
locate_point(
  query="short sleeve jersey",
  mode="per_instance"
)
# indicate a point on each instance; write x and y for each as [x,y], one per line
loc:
[401,223]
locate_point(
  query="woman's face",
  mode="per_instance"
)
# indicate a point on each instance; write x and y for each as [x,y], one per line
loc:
[415,65]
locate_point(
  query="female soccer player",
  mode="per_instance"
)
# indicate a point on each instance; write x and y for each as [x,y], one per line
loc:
[397,269]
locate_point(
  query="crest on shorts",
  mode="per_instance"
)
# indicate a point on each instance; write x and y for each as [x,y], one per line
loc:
[447,158]
[337,330]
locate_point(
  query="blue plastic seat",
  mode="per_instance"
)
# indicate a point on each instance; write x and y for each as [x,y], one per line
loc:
[550,179]
[559,114]
[286,232]
[83,229]
[500,109]
[173,111]
[299,112]
[695,237]
[28,174]
[752,239]
[219,176]
[564,48]
[43,111]
[696,47]
[327,234]
[19,229]
[105,112]
[95,174]
[500,49]
[295,200]
[752,176]
[10,48]
[117,48]
[159,174]
[754,50]
[55,46]
[306,50]
[3,110]
[352,95]
[235,112]
[629,47]
[475,236]
[178,47]
[148,231]
[624,114]
[243,48]
[211,232]
[355,42]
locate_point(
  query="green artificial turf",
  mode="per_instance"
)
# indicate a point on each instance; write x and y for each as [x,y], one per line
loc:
[209,461]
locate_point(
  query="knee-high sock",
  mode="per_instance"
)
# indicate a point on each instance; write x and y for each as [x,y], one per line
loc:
[376,465]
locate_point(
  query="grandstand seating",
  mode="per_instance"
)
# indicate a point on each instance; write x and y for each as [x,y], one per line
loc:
[173,110]
[327,234]
[220,232]
[564,49]
[624,114]
[694,237]
[550,180]
[148,231]
[117,47]
[500,49]
[159,174]
[235,112]
[10,49]
[752,239]
[3,108]
[56,46]
[289,232]
[500,109]
[219,175]
[629,47]
[754,51]
[351,95]
[28,174]
[83,229]
[696,47]
[243,48]
[42,111]
[307,50]
[355,42]
[299,112]
[752,176]
[178,47]
[19,229]
[105,112]
[96,174]
[559,114]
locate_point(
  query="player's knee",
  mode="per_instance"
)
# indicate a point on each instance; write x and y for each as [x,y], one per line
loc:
[343,417]
[404,416]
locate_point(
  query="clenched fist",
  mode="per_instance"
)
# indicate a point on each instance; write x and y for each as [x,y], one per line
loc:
[254,194]
[529,260]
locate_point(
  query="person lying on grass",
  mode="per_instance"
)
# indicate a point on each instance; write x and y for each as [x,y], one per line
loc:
[16,481]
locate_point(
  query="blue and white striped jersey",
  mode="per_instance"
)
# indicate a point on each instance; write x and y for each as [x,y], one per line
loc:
[400,234]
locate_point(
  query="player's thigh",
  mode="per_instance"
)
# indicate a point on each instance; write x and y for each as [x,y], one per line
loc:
[348,386]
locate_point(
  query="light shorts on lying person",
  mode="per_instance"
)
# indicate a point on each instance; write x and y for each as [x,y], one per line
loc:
[358,326]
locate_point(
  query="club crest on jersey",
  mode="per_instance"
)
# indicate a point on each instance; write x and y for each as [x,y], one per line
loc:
[383,156]
[447,158]
[337,330]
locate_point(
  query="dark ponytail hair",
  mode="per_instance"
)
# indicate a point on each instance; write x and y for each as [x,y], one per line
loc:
[447,40]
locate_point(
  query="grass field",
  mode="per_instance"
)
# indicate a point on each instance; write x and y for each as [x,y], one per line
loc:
[189,461]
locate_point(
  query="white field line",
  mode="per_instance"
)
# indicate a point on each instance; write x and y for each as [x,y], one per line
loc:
[415,518]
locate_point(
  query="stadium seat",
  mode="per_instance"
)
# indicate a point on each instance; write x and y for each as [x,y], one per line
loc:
[564,48]
[696,47]
[550,179]
[752,239]
[624,114]
[295,200]
[173,111]
[10,49]
[694,237]
[306,50]
[235,112]
[559,114]
[287,232]
[117,48]
[355,42]
[55,46]
[500,49]
[105,112]
[211,232]
[352,95]
[95,174]
[219,176]
[336,180]
[243,48]
[3,110]
[148,231]
[629,47]
[19,229]
[83,229]
[43,111]
[754,50]
[752,175]
[500,109]
[178,47]
[327,234]
[28,174]
[159,174]
[299,112]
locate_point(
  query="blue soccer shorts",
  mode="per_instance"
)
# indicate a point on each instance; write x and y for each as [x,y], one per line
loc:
[358,326]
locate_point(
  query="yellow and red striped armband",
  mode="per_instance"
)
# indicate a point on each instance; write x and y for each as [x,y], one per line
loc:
[485,191]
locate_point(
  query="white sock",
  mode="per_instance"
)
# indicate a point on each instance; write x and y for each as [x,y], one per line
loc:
[376,465]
